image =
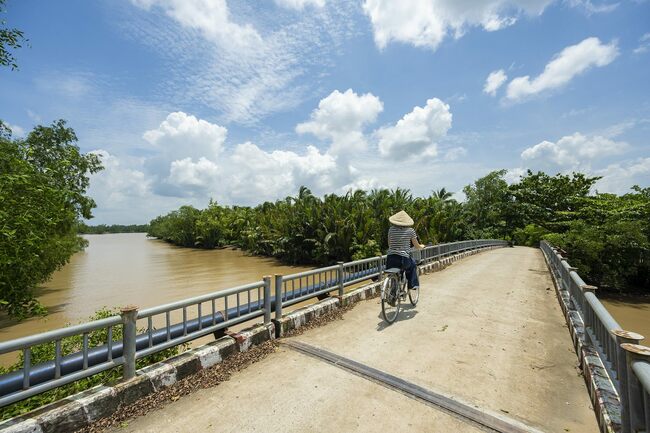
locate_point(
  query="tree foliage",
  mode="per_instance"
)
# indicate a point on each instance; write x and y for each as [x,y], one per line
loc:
[9,39]
[43,181]
[607,234]
[309,229]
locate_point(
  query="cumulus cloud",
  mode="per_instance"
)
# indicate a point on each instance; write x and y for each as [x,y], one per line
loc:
[117,184]
[494,81]
[184,135]
[190,161]
[262,175]
[514,175]
[341,117]
[425,23]
[572,150]
[186,173]
[300,4]
[570,62]
[417,133]
[619,177]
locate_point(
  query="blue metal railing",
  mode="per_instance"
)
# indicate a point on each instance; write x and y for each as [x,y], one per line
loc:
[627,363]
[210,313]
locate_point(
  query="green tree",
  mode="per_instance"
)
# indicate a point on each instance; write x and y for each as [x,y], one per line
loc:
[488,206]
[551,202]
[43,181]
[9,39]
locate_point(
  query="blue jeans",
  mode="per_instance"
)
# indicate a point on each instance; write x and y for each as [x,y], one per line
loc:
[406,264]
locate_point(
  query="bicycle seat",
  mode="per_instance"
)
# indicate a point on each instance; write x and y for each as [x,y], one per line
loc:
[393,271]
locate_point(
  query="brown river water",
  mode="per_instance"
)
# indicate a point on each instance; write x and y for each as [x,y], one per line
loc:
[123,269]
[130,269]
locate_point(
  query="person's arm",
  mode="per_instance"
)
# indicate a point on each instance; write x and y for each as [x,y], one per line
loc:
[416,243]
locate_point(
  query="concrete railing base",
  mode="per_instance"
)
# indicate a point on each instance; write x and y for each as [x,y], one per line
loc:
[82,409]
[604,398]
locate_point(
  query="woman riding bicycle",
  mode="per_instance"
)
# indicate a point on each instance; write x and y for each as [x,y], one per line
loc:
[401,237]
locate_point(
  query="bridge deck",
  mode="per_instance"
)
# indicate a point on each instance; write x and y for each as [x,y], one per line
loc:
[488,331]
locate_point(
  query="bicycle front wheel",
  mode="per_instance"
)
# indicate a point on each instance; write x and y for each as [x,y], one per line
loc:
[390,299]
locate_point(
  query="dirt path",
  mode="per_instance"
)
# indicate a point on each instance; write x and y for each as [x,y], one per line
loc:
[488,330]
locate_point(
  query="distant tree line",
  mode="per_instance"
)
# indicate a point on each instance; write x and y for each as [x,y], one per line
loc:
[605,235]
[100,229]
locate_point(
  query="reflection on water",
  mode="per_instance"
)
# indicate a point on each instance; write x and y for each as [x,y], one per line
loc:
[122,269]
[632,313]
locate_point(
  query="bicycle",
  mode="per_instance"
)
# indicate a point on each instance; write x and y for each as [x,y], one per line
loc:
[393,292]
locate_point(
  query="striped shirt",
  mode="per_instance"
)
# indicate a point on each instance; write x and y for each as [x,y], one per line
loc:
[399,240]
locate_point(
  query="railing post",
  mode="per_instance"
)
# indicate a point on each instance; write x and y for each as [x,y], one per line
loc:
[636,419]
[278,296]
[267,299]
[587,288]
[339,274]
[624,337]
[129,315]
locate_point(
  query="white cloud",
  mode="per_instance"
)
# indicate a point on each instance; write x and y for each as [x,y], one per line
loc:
[425,23]
[117,184]
[190,161]
[245,62]
[16,130]
[455,153]
[68,84]
[186,173]
[258,175]
[35,117]
[618,178]
[184,135]
[211,18]
[644,44]
[591,8]
[417,133]
[572,61]
[300,4]
[572,150]
[514,175]
[341,117]
[494,81]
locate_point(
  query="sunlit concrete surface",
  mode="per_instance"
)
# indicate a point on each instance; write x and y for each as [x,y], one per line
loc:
[487,330]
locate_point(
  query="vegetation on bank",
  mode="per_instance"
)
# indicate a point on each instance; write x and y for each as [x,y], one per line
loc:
[43,182]
[606,235]
[46,352]
[84,229]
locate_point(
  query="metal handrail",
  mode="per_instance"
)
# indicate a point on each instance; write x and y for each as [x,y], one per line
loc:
[224,308]
[618,349]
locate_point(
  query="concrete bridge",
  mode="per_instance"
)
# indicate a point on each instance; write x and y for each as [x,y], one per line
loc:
[487,332]
[491,346]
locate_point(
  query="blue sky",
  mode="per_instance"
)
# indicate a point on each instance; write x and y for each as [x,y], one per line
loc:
[187,100]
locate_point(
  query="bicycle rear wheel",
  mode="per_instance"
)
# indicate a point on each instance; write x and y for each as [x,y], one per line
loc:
[414,296]
[390,299]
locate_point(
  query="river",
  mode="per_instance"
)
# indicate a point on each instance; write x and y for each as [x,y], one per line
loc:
[130,269]
[124,269]
[632,313]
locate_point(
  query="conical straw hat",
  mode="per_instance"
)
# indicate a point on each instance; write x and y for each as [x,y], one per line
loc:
[402,219]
